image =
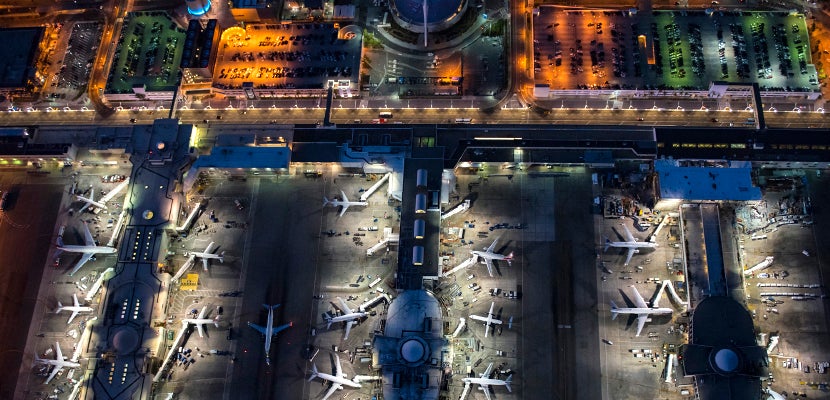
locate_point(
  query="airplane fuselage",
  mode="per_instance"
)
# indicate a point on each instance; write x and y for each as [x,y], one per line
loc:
[338,380]
[633,310]
[338,203]
[203,255]
[87,249]
[269,333]
[485,381]
[201,321]
[347,317]
[488,255]
[633,245]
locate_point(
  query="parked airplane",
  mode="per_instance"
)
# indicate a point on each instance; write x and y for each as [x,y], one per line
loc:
[488,320]
[641,309]
[338,380]
[76,308]
[204,255]
[630,243]
[102,203]
[200,321]
[349,316]
[58,363]
[345,203]
[89,249]
[269,331]
[484,382]
[488,256]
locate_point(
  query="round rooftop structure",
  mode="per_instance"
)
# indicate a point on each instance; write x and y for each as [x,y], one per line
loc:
[147,214]
[125,340]
[412,350]
[437,15]
[726,360]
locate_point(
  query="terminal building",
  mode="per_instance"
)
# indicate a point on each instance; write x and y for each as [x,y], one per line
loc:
[18,61]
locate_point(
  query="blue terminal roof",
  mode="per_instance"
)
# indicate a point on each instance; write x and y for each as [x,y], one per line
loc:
[705,183]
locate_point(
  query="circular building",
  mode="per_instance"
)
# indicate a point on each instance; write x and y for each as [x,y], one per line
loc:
[722,354]
[430,15]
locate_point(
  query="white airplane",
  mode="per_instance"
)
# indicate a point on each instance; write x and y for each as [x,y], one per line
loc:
[488,320]
[488,256]
[269,331]
[102,203]
[345,203]
[58,363]
[773,395]
[89,249]
[200,321]
[484,382]
[630,243]
[349,316]
[338,380]
[204,255]
[641,309]
[76,308]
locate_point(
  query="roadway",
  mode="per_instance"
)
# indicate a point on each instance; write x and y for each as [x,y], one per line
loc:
[312,115]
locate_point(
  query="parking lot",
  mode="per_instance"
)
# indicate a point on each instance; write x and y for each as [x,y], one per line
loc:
[148,52]
[671,50]
[80,55]
[286,56]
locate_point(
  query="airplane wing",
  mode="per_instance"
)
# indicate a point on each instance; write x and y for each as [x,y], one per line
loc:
[203,312]
[58,353]
[492,305]
[201,330]
[639,302]
[343,209]
[466,390]
[258,328]
[90,241]
[332,389]
[84,258]
[489,263]
[205,263]
[338,370]
[75,300]
[71,317]
[492,246]
[628,236]
[641,321]
[280,329]
[348,329]
[55,370]
[345,199]
[343,306]
[487,371]
[631,252]
[486,390]
[210,248]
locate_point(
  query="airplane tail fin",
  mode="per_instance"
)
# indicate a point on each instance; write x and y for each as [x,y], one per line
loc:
[613,310]
[274,307]
[60,241]
[313,372]
[326,201]
[509,258]
[607,244]
[507,383]
[328,320]
[60,306]
[222,257]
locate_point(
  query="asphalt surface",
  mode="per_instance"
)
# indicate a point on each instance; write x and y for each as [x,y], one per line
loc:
[25,239]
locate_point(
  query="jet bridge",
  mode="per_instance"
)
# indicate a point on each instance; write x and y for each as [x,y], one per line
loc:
[388,238]
[174,348]
[365,196]
[191,218]
[466,263]
[457,209]
[674,295]
[460,327]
